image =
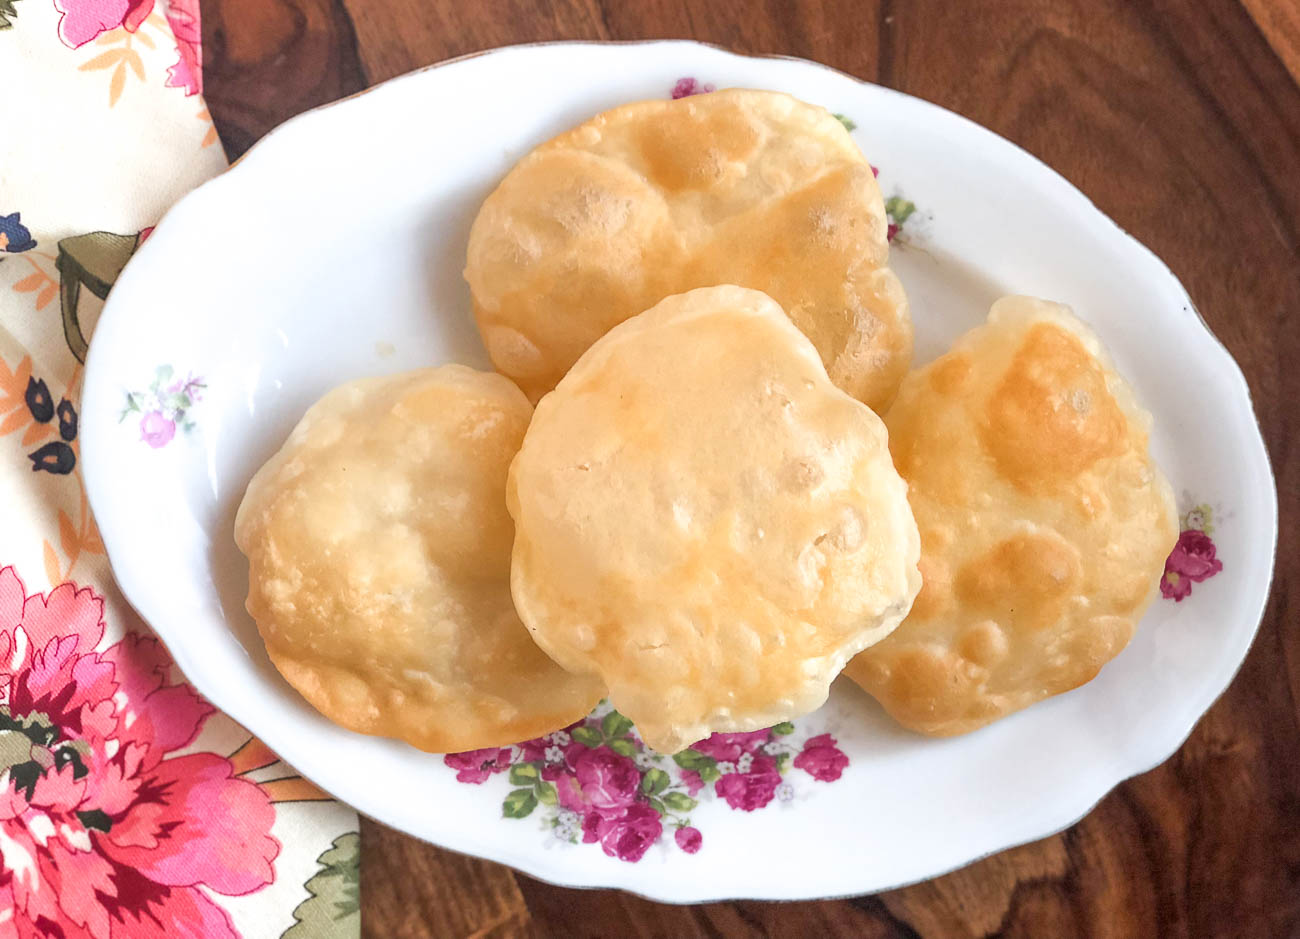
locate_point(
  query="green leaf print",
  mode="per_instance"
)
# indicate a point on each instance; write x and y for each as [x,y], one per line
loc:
[519,804]
[623,747]
[588,736]
[654,782]
[848,122]
[132,407]
[899,209]
[546,792]
[523,774]
[693,759]
[679,801]
[783,729]
[615,725]
[332,909]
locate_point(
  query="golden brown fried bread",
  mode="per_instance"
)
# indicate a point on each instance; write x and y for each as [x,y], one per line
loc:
[706,522]
[379,565]
[1044,522]
[650,199]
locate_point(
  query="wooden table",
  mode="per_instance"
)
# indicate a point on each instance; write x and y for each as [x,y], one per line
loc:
[1181,120]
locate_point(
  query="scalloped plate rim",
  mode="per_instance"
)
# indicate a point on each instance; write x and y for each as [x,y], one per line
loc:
[136,588]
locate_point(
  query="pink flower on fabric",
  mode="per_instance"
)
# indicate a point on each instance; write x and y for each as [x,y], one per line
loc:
[609,781]
[156,429]
[727,748]
[686,87]
[187,73]
[821,759]
[688,839]
[1192,561]
[99,831]
[475,766]
[752,790]
[83,20]
[626,836]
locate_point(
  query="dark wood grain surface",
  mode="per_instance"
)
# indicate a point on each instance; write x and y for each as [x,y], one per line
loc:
[1181,120]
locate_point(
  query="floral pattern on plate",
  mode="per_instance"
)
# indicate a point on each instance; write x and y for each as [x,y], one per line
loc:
[164,406]
[595,781]
[1194,558]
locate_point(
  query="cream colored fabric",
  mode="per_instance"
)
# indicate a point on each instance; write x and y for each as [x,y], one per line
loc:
[101,130]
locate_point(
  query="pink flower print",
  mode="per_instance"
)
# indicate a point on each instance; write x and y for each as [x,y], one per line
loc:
[692,781]
[137,11]
[475,766]
[534,750]
[688,839]
[752,790]
[591,830]
[1192,561]
[595,781]
[187,73]
[686,87]
[626,836]
[729,747]
[157,430]
[821,759]
[83,20]
[609,781]
[165,406]
[570,794]
[172,843]
[572,753]
[101,831]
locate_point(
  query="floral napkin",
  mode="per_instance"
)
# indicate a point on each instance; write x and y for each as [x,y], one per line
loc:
[128,806]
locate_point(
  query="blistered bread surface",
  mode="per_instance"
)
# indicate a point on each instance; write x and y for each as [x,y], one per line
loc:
[706,522]
[1044,521]
[379,564]
[658,197]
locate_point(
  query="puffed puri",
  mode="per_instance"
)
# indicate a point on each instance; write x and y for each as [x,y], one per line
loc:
[704,521]
[654,198]
[379,563]
[1045,522]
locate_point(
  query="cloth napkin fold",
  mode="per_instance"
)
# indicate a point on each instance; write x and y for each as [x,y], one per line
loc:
[129,807]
